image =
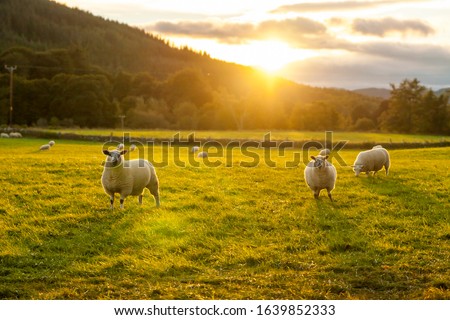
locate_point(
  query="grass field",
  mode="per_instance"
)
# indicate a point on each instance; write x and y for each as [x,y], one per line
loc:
[258,135]
[222,233]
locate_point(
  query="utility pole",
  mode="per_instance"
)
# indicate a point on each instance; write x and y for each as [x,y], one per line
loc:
[122,118]
[11,73]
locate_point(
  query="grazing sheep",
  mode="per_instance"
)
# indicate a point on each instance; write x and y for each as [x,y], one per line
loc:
[15,135]
[372,161]
[203,154]
[4,135]
[324,152]
[320,174]
[128,177]
[195,149]
[51,143]
[45,147]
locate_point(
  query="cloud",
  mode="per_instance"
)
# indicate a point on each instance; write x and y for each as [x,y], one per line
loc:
[299,31]
[381,27]
[335,6]
[375,64]
[229,32]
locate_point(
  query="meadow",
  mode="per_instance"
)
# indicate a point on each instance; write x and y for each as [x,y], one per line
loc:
[228,232]
[258,135]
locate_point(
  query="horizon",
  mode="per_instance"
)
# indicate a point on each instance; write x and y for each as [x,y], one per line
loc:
[338,44]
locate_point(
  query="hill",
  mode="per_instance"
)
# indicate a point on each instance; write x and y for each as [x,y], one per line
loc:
[374,92]
[78,69]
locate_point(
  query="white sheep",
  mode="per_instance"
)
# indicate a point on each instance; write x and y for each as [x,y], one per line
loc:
[320,174]
[4,135]
[51,143]
[132,147]
[15,135]
[203,154]
[195,149]
[324,152]
[372,161]
[120,146]
[128,177]
[45,147]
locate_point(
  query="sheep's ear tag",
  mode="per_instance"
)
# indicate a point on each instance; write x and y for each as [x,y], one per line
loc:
[106,152]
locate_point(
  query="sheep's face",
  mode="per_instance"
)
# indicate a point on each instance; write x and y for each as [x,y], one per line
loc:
[320,161]
[114,157]
[357,168]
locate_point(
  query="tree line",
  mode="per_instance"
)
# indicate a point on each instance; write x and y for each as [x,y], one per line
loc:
[60,88]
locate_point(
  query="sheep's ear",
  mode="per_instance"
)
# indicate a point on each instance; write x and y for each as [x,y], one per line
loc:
[106,152]
[123,152]
[312,157]
[326,157]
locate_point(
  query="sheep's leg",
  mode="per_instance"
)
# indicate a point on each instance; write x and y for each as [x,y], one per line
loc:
[140,199]
[329,195]
[121,202]
[111,200]
[316,194]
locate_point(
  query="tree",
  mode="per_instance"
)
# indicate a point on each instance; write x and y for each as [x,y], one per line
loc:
[404,107]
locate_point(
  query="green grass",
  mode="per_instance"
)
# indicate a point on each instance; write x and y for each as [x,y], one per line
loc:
[258,135]
[222,233]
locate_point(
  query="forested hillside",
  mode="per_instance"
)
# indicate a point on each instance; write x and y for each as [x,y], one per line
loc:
[75,69]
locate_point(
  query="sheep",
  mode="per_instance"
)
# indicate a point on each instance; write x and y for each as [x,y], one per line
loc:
[45,147]
[372,161]
[132,147]
[195,149]
[128,177]
[51,143]
[120,146]
[320,174]
[203,154]
[324,152]
[4,135]
[15,135]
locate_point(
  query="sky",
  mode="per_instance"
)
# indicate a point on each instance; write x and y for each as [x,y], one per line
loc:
[347,44]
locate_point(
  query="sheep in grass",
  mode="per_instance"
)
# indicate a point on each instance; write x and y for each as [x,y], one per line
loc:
[128,177]
[320,174]
[324,152]
[202,154]
[4,135]
[372,161]
[15,135]
[51,143]
[45,147]
[195,149]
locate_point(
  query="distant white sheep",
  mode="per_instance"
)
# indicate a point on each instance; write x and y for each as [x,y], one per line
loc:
[195,149]
[51,143]
[4,135]
[324,152]
[202,154]
[372,161]
[320,174]
[15,135]
[128,177]
[45,147]
[132,147]
[120,146]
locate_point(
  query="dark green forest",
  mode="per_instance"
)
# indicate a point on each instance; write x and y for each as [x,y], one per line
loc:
[78,70]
